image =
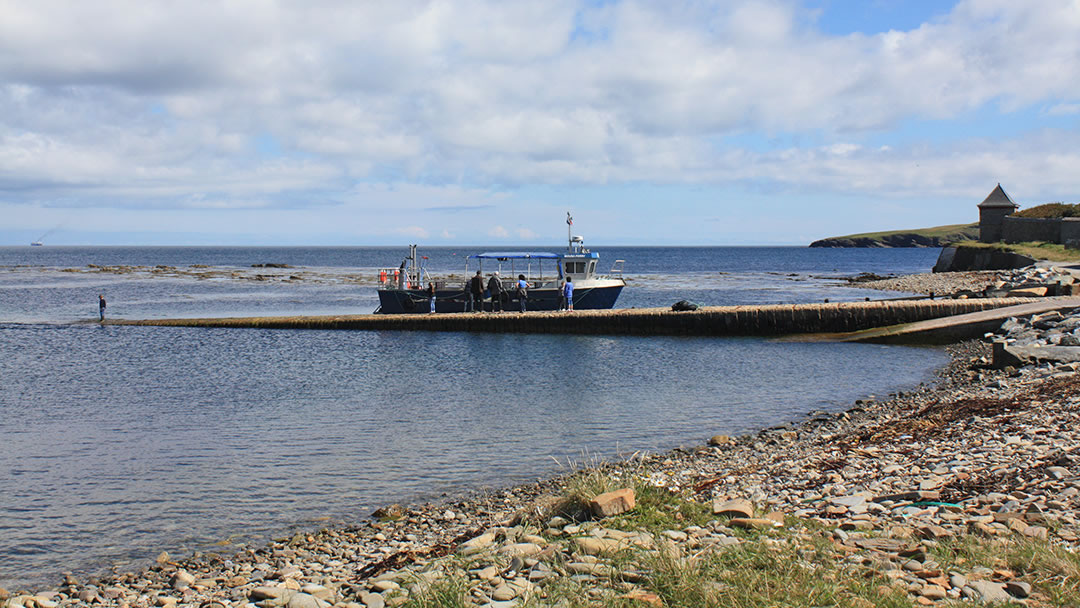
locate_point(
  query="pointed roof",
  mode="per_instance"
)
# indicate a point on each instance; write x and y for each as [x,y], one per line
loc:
[998,198]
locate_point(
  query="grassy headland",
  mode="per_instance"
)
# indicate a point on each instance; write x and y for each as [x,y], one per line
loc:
[1050,210]
[1034,249]
[938,236]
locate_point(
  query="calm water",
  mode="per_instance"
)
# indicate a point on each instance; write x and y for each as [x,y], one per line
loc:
[55,284]
[119,442]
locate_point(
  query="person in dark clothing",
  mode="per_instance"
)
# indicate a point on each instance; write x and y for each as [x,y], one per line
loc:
[495,289]
[101,305]
[431,296]
[476,293]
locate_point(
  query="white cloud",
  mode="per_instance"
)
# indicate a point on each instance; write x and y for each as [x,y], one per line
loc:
[413,232]
[111,104]
[1064,109]
[498,232]
[842,149]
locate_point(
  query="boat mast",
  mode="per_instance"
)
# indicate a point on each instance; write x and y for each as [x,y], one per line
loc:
[413,267]
[569,228]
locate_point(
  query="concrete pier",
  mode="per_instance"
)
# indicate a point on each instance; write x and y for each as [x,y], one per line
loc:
[771,320]
[958,327]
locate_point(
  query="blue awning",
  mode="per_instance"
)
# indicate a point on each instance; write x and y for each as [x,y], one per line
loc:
[517,255]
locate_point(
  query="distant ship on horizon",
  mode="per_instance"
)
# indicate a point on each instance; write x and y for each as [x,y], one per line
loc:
[41,239]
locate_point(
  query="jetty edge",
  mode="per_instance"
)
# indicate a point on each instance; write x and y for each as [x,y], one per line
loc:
[746,320]
[947,330]
[963,488]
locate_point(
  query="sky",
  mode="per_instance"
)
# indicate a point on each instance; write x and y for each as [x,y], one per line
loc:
[475,122]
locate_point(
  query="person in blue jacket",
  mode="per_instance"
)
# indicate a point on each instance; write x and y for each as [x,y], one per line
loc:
[522,291]
[568,293]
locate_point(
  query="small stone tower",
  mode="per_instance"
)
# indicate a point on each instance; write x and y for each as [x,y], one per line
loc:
[991,213]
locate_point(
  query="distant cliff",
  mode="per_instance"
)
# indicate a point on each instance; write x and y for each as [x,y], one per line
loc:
[938,236]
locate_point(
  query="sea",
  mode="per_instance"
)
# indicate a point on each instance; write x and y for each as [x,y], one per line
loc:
[118,443]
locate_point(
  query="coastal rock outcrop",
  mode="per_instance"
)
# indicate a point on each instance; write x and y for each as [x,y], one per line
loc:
[938,236]
[1050,337]
[956,258]
[892,240]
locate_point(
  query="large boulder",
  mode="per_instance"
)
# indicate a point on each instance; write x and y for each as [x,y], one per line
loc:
[1020,355]
[612,503]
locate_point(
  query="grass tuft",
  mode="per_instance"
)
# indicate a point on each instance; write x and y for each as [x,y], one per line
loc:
[660,509]
[445,592]
[1054,571]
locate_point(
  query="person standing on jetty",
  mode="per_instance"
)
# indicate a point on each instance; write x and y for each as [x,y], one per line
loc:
[431,296]
[568,294]
[522,291]
[476,293]
[101,305]
[495,289]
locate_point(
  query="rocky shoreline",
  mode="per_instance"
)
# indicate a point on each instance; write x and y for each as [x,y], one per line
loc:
[983,453]
[939,283]
[1031,281]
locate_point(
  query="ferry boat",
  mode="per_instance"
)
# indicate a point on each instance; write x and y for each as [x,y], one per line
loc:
[403,290]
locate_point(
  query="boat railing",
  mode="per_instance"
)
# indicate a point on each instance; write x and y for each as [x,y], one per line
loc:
[617,268]
[391,278]
[388,277]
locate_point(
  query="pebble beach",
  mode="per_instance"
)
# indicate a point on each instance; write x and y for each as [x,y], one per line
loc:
[935,282]
[880,490]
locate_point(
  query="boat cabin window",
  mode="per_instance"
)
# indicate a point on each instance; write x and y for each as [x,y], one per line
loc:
[592,267]
[575,267]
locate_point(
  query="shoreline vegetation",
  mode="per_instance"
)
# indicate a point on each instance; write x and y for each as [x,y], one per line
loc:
[965,489]
[938,236]
[1037,250]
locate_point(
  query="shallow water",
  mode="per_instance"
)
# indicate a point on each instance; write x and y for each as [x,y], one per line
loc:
[120,442]
[123,441]
[48,285]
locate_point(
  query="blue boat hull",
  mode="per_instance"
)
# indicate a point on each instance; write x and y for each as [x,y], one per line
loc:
[415,301]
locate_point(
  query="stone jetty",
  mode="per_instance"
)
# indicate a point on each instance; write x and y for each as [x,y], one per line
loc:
[964,491]
[946,330]
[770,320]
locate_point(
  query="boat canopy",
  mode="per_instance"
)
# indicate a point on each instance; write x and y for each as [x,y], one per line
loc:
[517,255]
